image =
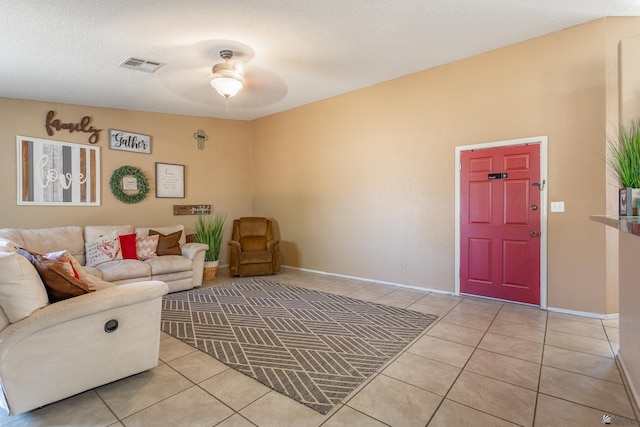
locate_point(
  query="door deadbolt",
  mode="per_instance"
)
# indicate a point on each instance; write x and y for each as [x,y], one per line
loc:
[534,207]
[534,234]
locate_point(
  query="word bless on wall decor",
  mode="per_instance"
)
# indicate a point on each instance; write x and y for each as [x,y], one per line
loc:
[127,141]
[84,125]
[57,173]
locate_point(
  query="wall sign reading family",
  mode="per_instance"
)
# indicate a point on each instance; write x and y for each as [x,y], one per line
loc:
[57,173]
[127,141]
[169,180]
[84,125]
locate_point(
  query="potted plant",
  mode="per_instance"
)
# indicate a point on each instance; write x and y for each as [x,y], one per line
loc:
[208,230]
[624,160]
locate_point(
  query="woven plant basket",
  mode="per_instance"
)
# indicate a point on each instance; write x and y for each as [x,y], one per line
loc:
[210,270]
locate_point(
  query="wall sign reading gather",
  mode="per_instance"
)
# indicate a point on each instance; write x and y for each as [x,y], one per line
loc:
[84,125]
[128,141]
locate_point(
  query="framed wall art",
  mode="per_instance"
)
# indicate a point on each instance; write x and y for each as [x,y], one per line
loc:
[129,141]
[57,173]
[169,180]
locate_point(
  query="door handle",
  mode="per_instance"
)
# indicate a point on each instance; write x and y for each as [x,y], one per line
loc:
[534,234]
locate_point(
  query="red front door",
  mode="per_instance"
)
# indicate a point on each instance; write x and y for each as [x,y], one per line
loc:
[500,223]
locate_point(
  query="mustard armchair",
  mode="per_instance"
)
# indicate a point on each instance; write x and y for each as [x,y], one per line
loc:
[252,249]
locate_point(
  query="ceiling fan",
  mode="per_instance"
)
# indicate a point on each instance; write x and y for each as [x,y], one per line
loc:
[227,78]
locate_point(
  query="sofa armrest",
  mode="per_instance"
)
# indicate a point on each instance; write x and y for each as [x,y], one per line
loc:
[195,252]
[63,349]
[191,250]
[81,306]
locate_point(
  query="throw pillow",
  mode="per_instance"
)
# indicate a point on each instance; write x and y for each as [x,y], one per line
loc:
[72,265]
[168,245]
[128,245]
[103,249]
[146,247]
[21,289]
[58,276]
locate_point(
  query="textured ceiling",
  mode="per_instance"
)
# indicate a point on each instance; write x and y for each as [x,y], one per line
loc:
[293,52]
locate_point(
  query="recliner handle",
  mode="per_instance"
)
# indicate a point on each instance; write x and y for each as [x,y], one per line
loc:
[111,326]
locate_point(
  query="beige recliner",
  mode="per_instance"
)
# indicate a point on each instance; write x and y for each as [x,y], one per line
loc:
[253,251]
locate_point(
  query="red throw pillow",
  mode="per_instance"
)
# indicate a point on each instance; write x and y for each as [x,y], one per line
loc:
[128,246]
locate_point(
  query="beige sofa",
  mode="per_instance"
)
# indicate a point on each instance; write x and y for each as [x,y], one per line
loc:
[51,351]
[179,272]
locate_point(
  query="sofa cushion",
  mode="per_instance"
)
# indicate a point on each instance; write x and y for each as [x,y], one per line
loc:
[168,244]
[255,257]
[146,247]
[128,246]
[60,278]
[43,240]
[92,232]
[169,264]
[21,289]
[253,243]
[124,269]
[103,249]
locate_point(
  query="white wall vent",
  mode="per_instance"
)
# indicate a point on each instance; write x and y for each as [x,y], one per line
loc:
[141,64]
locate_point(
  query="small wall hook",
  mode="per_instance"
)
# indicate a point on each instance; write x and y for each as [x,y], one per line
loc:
[201,137]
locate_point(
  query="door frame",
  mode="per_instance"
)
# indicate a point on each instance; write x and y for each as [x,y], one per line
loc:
[543,142]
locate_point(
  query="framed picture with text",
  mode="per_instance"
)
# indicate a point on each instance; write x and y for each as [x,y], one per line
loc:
[169,180]
[129,141]
[57,173]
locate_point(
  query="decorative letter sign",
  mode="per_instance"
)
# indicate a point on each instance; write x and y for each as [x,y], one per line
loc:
[83,125]
[127,141]
[57,173]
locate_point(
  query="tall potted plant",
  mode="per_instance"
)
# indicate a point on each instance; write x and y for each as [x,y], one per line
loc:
[208,230]
[624,160]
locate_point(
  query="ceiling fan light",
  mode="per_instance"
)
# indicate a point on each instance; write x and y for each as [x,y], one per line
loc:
[227,80]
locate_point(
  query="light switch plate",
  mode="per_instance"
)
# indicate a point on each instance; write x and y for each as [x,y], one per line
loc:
[557,206]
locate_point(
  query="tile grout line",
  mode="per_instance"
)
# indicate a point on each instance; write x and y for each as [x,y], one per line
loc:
[544,340]
[462,370]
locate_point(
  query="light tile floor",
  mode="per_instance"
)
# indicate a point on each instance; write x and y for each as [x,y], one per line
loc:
[483,363]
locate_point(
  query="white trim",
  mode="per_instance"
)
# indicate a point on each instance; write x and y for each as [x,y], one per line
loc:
[439,291]
[364,279]
[543,141]
[632,386]
[583,313]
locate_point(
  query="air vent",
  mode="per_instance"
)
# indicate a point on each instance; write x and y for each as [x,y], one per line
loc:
[141,64]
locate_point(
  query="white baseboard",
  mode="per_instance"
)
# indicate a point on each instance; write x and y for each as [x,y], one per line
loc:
[364,279]
[632,387]
[584,313]
[440,291]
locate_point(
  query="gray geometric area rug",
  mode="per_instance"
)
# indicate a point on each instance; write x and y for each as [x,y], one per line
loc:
[312,346]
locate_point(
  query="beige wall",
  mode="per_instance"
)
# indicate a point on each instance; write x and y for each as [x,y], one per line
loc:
[218,175]
[630,244]
[362,182]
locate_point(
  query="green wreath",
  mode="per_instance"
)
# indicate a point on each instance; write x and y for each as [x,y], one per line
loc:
[116,184]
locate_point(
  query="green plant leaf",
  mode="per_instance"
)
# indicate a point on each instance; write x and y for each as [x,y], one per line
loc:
[624,155]
[208,229]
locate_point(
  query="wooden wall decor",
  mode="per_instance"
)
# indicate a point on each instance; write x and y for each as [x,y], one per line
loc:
[57,173]
[84,125]
[128,141]
[191,209]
